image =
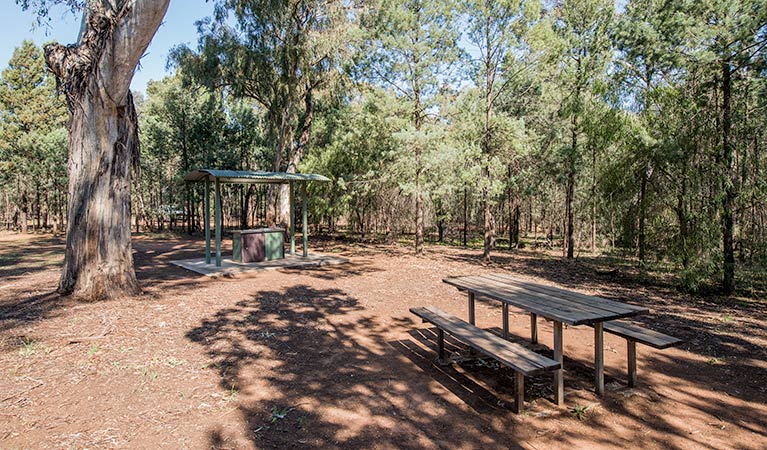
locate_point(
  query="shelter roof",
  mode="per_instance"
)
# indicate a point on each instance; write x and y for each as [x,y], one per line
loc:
[250,177]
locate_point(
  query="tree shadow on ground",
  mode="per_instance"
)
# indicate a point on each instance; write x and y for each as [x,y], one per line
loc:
[18,313]
[315,371]
[358,268]
[20,257]
[686,380]
[312,369]
[153,256]
[480,382]
[25,256]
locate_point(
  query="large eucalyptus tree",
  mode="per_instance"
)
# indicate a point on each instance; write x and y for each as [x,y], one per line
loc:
[95,74]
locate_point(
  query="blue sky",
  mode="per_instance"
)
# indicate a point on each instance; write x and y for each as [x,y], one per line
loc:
[178,27]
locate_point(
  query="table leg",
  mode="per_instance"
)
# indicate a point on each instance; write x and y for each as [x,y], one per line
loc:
[632,362]
[441,345]
[471,308]
[534,328]
[559,374]
[599,358]
[472,320]
[519,393]
[505,312]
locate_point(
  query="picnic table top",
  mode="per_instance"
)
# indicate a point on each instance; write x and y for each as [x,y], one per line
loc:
[557,304]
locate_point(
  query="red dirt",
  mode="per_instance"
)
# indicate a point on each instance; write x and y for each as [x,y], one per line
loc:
[331,358]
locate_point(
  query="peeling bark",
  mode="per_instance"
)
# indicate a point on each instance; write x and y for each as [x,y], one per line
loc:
[95,76]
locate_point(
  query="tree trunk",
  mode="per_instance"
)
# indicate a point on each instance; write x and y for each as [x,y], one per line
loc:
[487,215]
[514,226]
[729,181]
[593,199]
[95,76]
[24,211]
[642,214]
[570,240]
[486,140]
[38,208]
[278,194]
[306,131]
[245,206]
[465,213]
[418,118]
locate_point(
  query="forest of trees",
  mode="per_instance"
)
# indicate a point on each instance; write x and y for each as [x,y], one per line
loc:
[634,127]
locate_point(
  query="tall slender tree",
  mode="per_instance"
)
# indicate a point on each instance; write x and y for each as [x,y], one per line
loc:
[582,26]
[496,29]
[733,40]
[411,49]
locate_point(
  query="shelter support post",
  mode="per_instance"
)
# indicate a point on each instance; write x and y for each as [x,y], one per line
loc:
[217,213]
[292,222]
[304,229]
[206,215]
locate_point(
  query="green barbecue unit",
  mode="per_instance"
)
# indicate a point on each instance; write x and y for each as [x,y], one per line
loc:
[214,178]
[263,244]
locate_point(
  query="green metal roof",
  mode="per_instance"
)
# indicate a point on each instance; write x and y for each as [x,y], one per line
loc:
[246,176]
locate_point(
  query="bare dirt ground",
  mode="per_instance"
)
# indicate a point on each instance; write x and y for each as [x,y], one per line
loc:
[331,358]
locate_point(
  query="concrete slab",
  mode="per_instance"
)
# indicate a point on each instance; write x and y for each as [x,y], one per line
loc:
[229,267]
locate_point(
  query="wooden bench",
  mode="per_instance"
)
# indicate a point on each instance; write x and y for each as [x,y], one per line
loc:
[523,361]
[635,334]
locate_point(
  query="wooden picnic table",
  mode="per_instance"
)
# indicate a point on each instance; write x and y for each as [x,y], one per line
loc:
[558,305]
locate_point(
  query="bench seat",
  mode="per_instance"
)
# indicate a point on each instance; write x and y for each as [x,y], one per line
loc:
[634,334]
[641,335]
[523,361]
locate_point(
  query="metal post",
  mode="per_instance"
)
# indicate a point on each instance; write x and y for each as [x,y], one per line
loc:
[632,362]
[305,230]
[207,221]
[599,358]
[505,314]
[471,308]
[559,374]
[292,222]
[217,214]
[534,328]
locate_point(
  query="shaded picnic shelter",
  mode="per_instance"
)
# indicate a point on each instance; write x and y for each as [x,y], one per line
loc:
[215,178]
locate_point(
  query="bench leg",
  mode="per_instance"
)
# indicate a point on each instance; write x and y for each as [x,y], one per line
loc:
[519,393]
[472,319]
[559,374]
[505,313]
[599,358]
[471,308]
[534,328]
[441,346]
[632,362]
